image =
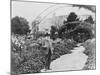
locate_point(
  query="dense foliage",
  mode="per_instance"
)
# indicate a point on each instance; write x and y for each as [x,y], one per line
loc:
[19,25]
[89,20]
[90,46]
[73,27]
[32,59]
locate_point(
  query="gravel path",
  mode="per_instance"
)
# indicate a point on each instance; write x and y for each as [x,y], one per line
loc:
[74,61]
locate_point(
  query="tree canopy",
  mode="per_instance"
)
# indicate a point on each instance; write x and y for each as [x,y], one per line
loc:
[19,26]
[69,29]
[89,20]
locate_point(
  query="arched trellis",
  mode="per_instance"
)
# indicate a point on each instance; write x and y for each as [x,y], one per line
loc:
[57,8]
[39,23]
[50,11]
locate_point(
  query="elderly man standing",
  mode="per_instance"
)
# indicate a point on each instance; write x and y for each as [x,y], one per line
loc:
[47,44]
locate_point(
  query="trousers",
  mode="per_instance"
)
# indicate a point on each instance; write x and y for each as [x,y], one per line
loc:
[48,59]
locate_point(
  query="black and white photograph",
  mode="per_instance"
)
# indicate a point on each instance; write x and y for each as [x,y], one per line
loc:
[52,37]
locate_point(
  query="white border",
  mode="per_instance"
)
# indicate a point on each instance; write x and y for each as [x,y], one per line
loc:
[5,36]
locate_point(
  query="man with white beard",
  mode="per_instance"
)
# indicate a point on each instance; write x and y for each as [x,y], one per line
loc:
[47,44]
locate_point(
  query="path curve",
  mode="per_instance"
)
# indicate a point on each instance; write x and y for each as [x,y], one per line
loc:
[74,61]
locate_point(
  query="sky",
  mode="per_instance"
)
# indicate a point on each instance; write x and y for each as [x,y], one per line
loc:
[30,10]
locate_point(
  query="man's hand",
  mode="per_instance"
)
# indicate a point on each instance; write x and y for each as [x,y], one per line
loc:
[52,50]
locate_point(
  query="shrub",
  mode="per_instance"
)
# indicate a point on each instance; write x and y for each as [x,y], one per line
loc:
[32,58]
[19,25]
[90,52]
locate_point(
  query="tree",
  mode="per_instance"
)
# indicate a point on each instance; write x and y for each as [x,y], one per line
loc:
[35,27]
[72,17]
[19,26]
[89,20]
[68,25]
[53,32]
